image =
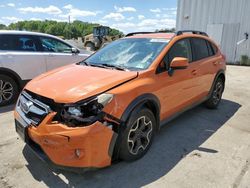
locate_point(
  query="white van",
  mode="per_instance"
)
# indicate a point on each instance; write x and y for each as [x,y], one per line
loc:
[25,55]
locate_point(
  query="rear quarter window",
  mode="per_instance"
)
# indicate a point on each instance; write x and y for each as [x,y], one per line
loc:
[215,49]
[8,42]
[212,49]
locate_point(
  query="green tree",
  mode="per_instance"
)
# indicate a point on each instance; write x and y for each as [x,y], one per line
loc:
[115,32]
[62,29]
[2,26]
[166,30]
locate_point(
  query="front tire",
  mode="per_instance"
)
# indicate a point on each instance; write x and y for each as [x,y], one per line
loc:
[8,90]
[216,95]
[138,135]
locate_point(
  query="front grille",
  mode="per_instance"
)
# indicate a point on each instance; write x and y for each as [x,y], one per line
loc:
[47,101]
[31,109]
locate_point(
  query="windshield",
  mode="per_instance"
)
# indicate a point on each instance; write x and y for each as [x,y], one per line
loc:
[129,53]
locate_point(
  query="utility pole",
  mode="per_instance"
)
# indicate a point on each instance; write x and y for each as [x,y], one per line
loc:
[69,28]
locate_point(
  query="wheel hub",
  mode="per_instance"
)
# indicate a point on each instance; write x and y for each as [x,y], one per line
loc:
[140,135]
[217,92]
[6,91]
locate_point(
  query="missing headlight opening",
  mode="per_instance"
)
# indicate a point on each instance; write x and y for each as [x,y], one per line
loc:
[88,112]
[82,114]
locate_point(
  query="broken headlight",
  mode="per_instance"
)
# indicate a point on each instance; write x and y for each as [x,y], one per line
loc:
[85,112]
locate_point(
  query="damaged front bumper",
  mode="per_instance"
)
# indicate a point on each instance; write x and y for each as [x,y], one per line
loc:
[85,147]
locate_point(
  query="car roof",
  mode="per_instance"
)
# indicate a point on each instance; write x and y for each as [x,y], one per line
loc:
[14,32]
[185,33]
[154,35]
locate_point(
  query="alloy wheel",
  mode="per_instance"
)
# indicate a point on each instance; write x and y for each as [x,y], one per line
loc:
[6,91]
[140,135]
[217,93]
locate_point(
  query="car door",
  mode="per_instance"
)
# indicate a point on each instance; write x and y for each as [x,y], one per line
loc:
[58,53]
[205,63]
[20,54]
[178,90]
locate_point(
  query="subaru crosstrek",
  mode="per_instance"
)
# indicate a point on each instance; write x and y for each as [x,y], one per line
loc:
[111,105]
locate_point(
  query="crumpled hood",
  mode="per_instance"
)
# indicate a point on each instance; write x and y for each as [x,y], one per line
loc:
[73,83]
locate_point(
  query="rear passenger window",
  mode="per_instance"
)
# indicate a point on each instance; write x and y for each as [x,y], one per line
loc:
[200,49]
[26,43]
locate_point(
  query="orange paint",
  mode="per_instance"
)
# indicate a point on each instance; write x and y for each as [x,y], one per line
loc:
[73,83]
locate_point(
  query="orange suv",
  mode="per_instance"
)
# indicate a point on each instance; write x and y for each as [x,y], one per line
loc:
[111,105]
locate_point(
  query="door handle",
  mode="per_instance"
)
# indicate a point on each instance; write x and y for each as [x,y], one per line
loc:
[194,72]
[215,63]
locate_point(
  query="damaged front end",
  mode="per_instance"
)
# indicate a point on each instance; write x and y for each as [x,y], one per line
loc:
[85,112]
[73,135]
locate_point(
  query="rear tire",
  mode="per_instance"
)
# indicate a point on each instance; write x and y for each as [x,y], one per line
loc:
[138,135]
[8,90]
[216,95]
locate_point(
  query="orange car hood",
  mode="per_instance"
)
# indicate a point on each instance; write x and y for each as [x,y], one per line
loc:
[76,82]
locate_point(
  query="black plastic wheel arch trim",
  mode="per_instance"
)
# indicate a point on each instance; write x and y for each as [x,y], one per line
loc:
[141,100]
[9,72]
[219,73]
[137,103]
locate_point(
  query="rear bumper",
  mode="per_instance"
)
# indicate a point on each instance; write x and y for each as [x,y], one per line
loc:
[62,146]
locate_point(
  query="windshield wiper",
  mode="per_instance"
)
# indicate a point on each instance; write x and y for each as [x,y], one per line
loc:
[92,64]
[114,66]
[85,63]
[104,65]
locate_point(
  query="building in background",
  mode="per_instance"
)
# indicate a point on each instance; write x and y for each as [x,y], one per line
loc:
[226,21]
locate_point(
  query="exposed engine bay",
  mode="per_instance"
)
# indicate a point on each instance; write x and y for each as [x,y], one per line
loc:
[88,111]
[82,115]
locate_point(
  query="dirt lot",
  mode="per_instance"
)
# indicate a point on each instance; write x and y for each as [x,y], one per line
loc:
[201,148]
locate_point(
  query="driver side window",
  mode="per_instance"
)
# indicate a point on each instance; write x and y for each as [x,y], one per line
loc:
[181,48]
[53,45]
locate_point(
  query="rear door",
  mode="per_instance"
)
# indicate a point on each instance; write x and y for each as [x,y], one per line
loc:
[20,53]
[58,53]
[205,62]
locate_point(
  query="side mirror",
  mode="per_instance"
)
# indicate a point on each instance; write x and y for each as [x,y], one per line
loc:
[179,63]
[75,50]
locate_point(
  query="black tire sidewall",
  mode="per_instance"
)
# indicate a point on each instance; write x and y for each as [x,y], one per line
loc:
[124,153]
[15,90]
[209,103]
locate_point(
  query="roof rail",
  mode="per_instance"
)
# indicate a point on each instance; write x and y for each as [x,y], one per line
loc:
[191,31]
[137,33]
[143,32]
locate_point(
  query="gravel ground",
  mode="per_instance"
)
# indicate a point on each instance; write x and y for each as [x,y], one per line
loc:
[201,148]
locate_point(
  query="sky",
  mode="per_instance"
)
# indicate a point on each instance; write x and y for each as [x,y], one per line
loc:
[125,15]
